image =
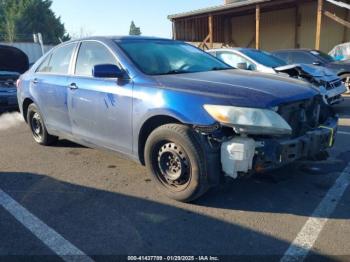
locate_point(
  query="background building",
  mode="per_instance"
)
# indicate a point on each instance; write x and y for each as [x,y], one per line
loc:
[266,24]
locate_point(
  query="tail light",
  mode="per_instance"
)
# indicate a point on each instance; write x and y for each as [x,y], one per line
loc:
[18,83]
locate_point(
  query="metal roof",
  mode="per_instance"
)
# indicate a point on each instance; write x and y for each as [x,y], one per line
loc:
[217,8]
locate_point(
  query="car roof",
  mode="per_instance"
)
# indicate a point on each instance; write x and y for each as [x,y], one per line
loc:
[294,50]
[232,49]
[102,38]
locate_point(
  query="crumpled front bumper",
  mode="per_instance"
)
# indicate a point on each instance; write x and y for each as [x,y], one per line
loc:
[274,153]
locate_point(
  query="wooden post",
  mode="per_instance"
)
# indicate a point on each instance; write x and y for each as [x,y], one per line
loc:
[318,24]
[211,40]
[297,27]
[257,27]
[345,32]
[174,30]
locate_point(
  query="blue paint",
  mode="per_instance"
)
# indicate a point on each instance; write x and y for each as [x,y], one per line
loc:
[111,99]
[106,103]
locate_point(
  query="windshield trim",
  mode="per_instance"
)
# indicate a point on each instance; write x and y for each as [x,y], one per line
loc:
[323,56]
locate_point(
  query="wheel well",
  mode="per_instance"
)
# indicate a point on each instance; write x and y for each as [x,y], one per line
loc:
[343,73]
[148,127]
[26,104]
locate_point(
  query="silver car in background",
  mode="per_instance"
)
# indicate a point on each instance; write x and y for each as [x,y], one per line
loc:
[329,84]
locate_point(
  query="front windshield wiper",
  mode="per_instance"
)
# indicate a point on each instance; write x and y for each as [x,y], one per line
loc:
[175,72]
[221,68]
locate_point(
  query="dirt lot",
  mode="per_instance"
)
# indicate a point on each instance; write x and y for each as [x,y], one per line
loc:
[71,200]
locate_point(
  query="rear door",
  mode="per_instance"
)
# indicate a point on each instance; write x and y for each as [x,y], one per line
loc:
[50,88]
[100,108]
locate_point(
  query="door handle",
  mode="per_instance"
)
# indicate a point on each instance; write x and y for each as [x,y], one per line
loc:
[73,86]
[35,81]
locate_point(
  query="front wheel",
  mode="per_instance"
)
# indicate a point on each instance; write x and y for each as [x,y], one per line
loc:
[37,126]
[175,160]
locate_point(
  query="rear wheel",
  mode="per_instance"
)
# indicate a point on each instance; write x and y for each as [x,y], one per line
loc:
[175,160]
[37,126]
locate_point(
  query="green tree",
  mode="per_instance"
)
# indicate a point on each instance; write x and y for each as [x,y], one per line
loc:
[134,30]
[19,19]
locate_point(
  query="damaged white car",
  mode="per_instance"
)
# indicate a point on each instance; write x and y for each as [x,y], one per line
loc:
[329,84]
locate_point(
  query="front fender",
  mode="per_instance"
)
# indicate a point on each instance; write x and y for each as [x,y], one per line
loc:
[185,107]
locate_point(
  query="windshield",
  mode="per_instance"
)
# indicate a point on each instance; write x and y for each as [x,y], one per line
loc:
[162,57]
[264,58]
[323,56]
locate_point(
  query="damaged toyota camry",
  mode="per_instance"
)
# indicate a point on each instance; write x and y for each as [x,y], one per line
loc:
[190,118]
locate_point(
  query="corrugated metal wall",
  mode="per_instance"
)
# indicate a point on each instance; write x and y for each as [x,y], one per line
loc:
[278,28]
[332,32]
[243,31]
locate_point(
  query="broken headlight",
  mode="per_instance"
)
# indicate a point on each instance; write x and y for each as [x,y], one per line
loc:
[253,121]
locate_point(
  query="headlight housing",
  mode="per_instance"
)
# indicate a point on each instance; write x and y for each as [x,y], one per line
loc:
[253,121]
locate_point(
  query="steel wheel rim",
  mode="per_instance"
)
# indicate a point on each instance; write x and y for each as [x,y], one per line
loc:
[173,168]
[347,83]
[37,126]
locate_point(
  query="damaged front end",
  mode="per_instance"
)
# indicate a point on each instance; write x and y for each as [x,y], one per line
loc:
[242,145]
[329,84]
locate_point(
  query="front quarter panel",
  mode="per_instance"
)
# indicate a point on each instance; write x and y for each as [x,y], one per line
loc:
[152,100]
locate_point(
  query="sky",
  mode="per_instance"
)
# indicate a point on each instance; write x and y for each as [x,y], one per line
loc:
[113,17]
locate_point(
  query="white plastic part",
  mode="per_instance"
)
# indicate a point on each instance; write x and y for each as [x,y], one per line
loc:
[237,156]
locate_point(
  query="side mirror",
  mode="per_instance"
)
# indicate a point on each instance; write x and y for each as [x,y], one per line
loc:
[317,63]
[107,71]
[243,66]
[252,67]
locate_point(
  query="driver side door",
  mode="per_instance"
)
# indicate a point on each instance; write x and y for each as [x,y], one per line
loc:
[100,109]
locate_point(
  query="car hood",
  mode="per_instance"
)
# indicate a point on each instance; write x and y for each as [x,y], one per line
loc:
[13,60]
[312,70]
[241,87]
[342,62]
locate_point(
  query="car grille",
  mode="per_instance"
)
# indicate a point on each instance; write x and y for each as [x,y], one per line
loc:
[302,116]
[333,84]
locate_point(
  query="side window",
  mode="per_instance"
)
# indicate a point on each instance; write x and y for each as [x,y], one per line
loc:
[44,67]
[299,57]
[58,62]
[234,60]
[91,54]
[283,56]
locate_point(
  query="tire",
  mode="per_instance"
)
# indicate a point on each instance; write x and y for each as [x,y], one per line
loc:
[175,160]
[346,80]
[37,126]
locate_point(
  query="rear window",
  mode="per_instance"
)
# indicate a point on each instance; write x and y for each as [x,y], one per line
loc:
[58,62]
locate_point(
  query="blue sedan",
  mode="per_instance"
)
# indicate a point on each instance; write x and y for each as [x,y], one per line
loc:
[187,116]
